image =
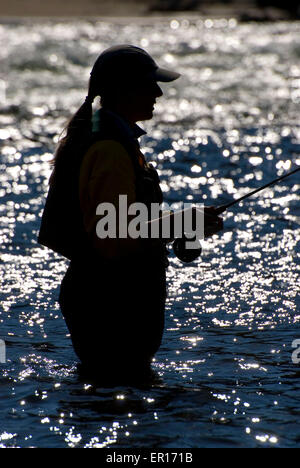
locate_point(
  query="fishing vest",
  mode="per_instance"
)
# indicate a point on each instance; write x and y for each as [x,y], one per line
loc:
[62,227]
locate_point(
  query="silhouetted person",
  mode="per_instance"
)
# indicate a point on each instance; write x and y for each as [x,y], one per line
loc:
[113,294]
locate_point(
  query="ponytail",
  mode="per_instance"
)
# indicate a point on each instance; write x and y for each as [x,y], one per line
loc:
[77,135]
[81,120]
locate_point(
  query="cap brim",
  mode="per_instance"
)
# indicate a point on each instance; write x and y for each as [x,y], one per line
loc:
[161,74]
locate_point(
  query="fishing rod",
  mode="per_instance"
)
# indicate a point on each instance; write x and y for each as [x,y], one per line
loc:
[223,208]
[188,255]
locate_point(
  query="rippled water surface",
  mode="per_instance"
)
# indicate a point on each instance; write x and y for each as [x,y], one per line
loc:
[224,376]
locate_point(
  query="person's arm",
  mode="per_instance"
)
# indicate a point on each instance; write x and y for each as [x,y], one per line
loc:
[172,224]
[106,173]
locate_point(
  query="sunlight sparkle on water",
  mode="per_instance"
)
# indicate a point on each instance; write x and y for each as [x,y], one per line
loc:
[229,125]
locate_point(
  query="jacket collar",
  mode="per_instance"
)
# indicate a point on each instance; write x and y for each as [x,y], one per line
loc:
[132,132]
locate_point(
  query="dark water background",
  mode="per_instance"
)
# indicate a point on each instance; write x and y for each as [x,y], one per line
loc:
[224,374]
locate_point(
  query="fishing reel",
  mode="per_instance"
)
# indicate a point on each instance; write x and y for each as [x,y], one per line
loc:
[183,253]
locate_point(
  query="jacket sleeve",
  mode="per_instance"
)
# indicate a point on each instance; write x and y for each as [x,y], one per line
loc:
[106,173]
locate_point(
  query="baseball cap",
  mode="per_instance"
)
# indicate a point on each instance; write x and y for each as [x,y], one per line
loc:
[124,62]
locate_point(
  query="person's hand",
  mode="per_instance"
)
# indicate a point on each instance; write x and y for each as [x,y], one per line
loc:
[212,222]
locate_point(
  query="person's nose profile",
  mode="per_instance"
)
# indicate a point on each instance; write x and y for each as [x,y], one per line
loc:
[158,91]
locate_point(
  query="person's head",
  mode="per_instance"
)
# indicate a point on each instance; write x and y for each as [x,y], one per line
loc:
[126,79]
[136,101]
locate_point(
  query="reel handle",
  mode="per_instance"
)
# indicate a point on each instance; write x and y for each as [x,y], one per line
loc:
[184,254]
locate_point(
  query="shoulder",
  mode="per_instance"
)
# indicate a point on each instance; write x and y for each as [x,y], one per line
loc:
[106,155]
[106,149]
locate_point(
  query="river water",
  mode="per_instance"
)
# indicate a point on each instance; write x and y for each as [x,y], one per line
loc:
[225,375]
